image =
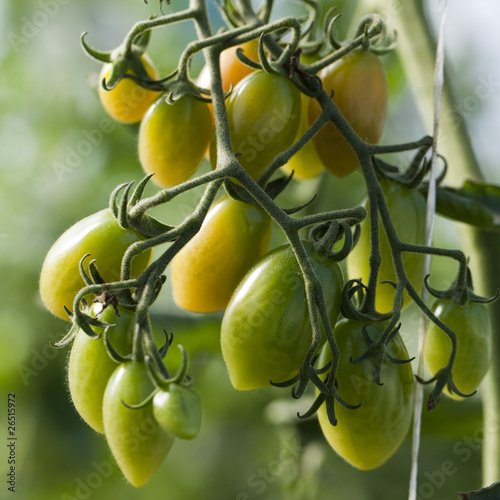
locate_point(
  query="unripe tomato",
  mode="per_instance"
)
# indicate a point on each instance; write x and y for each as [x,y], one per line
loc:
[359,90]
[178,411]
[208,269]
[306,163]
[266,330]
[105,240]
[128,101]
[90,366]
[263,113]
[367,436]
[407,208]
[472,326]
[137,441]
[173,139]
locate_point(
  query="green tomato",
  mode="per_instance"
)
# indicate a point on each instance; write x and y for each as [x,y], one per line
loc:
[137,441]
[128,101]
[263,113]
[173,139]
[90,366]
[407,209]
[266,330]
[367,436]
[178,411]
[472,326]
[359,88]
[207,270]
[105,240]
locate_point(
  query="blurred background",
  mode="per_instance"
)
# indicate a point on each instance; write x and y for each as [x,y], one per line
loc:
[251,445]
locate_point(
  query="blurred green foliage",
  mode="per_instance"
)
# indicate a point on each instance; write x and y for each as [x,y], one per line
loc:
[59,161]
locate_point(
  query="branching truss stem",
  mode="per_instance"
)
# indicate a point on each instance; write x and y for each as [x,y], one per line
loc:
[229,167]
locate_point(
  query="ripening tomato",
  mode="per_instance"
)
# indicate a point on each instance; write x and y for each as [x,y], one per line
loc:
[173,139]
[359,90]
[407,208]
[367,436]
[306,163]
[472,326]
[105,240]
[178,411]
[266,330]
[263,113]
[90,366]
[208,269]
[128,101]
[137,441]
[231,68]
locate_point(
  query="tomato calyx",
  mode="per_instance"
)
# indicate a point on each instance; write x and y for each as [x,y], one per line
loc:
[324,237]
[377,351]
[125,62]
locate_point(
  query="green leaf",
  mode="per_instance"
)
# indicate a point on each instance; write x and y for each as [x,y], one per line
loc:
[475,203]
[490,493]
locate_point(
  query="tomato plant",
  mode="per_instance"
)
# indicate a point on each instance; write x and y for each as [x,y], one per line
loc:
[266,329]
[208,269]
[359,88]
[128,101]
[90,366]
[471,324]
[137,441]
[367,436]
[173,139]
[263,112]
[407,209]
[105,240]
[283,307]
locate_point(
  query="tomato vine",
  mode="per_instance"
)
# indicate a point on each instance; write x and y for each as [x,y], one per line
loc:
[330,229]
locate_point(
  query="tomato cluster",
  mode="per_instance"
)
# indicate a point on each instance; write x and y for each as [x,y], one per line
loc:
[272,303]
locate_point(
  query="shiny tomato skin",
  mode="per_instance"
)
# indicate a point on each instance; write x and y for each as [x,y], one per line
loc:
[266,329]
[105,240]
[263,114]
[173,139]
[128,101]
[178,411]
[472,326]
[367,436]
[359,87]
[135,438]
[408,212]
[90,366]
[207,270]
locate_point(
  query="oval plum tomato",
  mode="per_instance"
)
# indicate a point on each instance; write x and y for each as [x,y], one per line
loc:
[407,208]
[206,271]
[263,113]
[128,101]
[90,366]
[173,139]
[472,326]
[266,330]
[359,90]
[105,240]
[137,441]
[306,163]
[178,411]
[367,436]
